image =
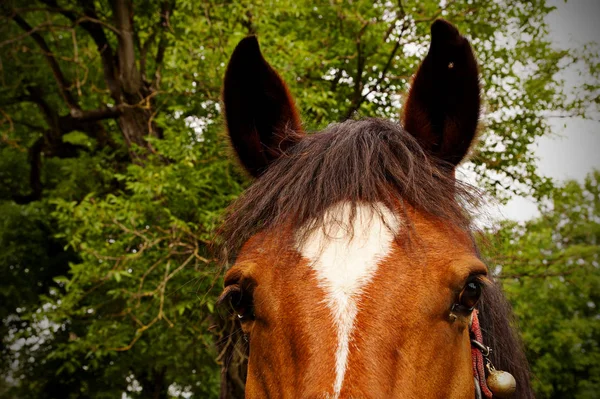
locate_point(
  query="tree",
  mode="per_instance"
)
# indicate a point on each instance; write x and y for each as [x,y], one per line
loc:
[549,269]
[111,111]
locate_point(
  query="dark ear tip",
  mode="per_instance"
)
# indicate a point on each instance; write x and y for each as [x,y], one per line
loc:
[244,61]
[247,45]
[444,31]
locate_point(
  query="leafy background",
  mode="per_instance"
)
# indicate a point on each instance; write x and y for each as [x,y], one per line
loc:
[115,174]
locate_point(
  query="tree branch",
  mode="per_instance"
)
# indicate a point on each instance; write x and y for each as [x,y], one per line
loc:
[63,84]
[99,114]
[40,27]
[386,67]
[144,53]
[358,100]
[166,9]
[30,126]
[79,120]
[65,123]
[109,64]
[51,149]
[360,65]
[91,24]
[36,96]
[129,75]
[35,166]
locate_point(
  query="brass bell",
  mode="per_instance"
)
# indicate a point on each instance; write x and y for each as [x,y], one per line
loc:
[501,383]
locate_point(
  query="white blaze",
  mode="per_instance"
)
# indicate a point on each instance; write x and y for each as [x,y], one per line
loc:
[345,254]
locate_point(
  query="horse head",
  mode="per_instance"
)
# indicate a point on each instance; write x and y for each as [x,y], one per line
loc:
[355,271]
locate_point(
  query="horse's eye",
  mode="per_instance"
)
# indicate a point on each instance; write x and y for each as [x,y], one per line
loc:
[243,307]
[240,300]
[470,294]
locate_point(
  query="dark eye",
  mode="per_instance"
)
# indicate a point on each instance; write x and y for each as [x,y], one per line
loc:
[470,294]
[240,300]
[243,306]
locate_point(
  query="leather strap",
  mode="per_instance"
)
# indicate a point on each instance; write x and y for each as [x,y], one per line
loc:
[478,358]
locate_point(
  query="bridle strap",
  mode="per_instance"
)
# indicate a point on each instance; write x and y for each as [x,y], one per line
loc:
[477,389]
[477,354]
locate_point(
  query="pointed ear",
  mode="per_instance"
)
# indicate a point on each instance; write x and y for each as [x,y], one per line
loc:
[442,108]
[261,117]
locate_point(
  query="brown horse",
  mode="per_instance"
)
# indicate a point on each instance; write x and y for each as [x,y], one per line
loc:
[356,274]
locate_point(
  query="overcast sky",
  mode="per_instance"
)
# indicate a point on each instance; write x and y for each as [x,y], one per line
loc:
[574,149]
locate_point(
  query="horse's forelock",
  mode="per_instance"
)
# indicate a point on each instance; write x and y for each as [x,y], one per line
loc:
[367,161]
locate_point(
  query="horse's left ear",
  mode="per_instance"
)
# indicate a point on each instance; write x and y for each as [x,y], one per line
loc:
[261,118]
[442,108]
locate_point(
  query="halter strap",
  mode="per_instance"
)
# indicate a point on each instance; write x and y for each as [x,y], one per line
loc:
[478,352]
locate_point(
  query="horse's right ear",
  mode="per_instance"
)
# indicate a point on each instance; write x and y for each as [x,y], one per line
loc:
[442,108]
[261,117]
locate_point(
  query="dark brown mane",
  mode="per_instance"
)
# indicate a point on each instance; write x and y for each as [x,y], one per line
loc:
[370,160]
[500,333]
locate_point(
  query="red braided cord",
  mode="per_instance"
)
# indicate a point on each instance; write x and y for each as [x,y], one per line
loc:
[478,366]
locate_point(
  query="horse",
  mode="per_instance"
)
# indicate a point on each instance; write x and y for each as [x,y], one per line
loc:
[355,272]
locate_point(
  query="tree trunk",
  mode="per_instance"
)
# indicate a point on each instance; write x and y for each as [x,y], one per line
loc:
[135,123]
[153,384]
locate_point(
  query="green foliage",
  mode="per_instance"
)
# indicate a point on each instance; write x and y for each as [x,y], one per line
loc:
[140,280]
[108,283]
[549,270]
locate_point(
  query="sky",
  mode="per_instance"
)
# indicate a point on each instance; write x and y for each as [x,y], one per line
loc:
[573,150]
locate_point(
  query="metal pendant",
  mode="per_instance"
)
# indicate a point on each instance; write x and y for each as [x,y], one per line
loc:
[501,383]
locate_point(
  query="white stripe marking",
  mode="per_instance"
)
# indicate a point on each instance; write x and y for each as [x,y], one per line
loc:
[345,255]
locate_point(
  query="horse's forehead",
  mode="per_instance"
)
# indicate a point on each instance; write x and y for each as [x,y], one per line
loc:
[346,247]
[346,230]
